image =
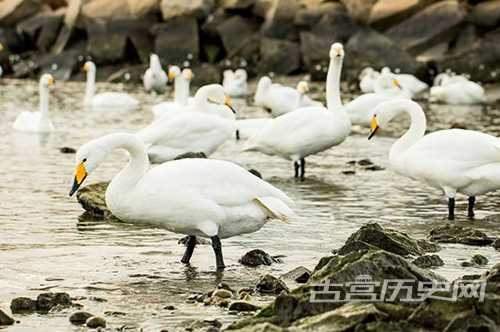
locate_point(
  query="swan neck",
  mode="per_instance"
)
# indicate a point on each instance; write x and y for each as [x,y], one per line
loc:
[333,100]
[44,101]
[90,86]
[181,90]
[418,125]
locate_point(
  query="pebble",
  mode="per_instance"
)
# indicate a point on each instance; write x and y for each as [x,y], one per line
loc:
[222,293]
[22,305]
[67,149]
[79,317]
[95,322]
[241,306]
[269,284]
[169,307]
[256,258]
[479,260]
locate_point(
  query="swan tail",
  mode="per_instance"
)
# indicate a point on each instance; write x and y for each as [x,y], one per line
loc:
[275,209]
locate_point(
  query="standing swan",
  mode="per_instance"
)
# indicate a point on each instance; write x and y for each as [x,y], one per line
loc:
[155,79]
[308,130]
[453,160]
[37,122]
[197,197]
[107,101]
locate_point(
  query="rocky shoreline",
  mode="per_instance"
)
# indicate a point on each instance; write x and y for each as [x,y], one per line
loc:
[285,37]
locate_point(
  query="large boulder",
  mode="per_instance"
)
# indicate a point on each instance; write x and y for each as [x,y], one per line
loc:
[106,41]
[42,29]
[236,33]
[5,319]
[359,10]
[280,24]
[308,16]
[13,11]
[278,56]
[457,234]
[386,13]
[198,9]
[105,9]
[177,40]
[486,14]
[429,26]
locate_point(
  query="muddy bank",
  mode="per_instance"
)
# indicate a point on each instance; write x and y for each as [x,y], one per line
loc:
[280,36]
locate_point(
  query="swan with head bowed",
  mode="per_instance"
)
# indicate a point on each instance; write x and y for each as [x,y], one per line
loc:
[308,130]
[37,122]
[280,99]
[387,87]
[367,79]
[409,82]
[198,197]
[458,90]
[453,160]
[202,126]
[181,81]
[235,83]
[155,78]
[106,101]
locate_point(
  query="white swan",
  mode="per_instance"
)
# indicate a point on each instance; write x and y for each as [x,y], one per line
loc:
[387,87]
[409,82]
[280,99]
[367,79]
[247,128]
[107,101]
[181,81]
[155,78]
[198,197]
[37,122]
[308,130]
[201,127]
[454,160]
[235,83]
[461,92]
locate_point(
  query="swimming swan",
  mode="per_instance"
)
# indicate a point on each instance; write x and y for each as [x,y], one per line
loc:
[459,92]
[155,79]
[37,122]
[367,79]
[308,130]
[235,83]
[409,82]
[107,101]
[197,197]
[201,127]
[453,160]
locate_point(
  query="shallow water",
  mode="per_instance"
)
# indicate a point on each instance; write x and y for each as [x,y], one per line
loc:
[44,245]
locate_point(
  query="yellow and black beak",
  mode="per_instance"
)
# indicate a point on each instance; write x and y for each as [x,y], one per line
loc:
[228,103]
[85,68]
[171,76]
[397,84]
[373,126]
[80,176]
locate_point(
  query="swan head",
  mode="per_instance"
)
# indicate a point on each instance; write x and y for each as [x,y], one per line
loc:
[303,87]
[264,82]
[241,74]
[386,111]
[366,72]
[187,74]
[89,67]
[46,80]
[214,94]
[336,51]
[388,82]
[386,70]
[88,157]
[173,72]
[228,73]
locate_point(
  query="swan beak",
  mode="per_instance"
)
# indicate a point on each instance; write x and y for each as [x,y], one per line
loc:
[80,176]
[85,68]
[171,75]
[228,103]
[1,47]
[373,126]
[396,84]
[51,81]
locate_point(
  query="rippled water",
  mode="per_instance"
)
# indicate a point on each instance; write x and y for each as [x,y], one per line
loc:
[44,246]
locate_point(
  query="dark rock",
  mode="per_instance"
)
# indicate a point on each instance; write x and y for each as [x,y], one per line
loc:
[199,325]
[457,234]
[14,11]
[496,244]
[67,149]
[486,14]
[79,317]
[256,258]
[93,199]
[365,162]
[374,235]
[386,13]
[470,321]
[271,285]
[427,246]
[309,16]
[42,29]
[281,24]
[176,40]
[5,319]
[236,33]
[106,41]
[479,260]
[242,306]
[349,172]
[359,9]
[300,275]
[188,155]
[428,261]
[95,322]
[374,168]
[22,305]
[205,73]
[46,301]
[169,307]
[64,64]
[279,56]
[429,26]
[493,275]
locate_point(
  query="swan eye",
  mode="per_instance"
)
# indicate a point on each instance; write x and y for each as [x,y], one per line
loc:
[84,160]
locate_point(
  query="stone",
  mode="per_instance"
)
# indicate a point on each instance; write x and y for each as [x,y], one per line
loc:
[5,319]
[471,322]
[169,307]
[92,199]
[42,29]
[205,73]
[429,26]
[105,10]
[486,14]
[269,284]
[450,233]
[46,301]
[95,322]
[375,236]
[14,11]
[241,306]
[359,9]
[79,317]
[235,33]
[22,305]
[479,260]
[496,244]
[428,261]
[197,9]
[106,41]
[62,65]
[300,275]
[278,56]
[222,293]
[200,325]
[386,13]
[256,258]
[307,17]
[280,24]
[67,150]
[176,40]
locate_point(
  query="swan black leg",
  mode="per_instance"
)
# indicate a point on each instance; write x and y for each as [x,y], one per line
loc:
[237,134]
[296,166]
[472,202]
[302,168]
[451,208]
[191,243]
[217,245]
